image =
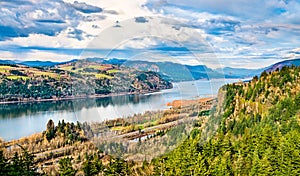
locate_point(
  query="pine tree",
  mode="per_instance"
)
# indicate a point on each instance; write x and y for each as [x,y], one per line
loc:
[66,168]
[92,165]
[50,130]
[3,164]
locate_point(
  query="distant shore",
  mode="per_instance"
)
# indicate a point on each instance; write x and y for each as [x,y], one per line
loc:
[80,97]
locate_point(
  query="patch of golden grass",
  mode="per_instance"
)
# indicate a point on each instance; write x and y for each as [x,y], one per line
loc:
[14,77]
[5,67]
[100,75]
[98,67]
[113,71]
[119,128]
[50,74]
[66,68]
[3,71]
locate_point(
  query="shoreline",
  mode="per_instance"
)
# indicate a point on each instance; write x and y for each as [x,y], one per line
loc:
[97,95]
[80,97]
[173,104]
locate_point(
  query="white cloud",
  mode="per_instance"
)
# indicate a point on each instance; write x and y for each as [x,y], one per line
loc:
[60,41]
[234,29]
[36,55]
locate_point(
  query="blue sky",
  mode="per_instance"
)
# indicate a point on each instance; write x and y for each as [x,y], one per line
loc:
[235,33]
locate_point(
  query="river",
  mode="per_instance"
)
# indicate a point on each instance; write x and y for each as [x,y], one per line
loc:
[23,119]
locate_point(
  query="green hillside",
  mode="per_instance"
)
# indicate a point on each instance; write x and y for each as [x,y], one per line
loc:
[253,131]
[74,79]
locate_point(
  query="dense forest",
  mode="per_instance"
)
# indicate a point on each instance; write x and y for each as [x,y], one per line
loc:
[254,131]
[24,165]
[75,79]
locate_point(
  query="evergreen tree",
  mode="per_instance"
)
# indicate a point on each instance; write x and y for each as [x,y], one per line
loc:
[3,164]
[92,165]
[50,130]
[66,168]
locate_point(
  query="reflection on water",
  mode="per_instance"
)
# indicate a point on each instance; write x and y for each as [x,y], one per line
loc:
[18,120]
[25,109]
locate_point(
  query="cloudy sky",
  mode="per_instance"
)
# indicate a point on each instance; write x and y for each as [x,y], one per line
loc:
[235,33]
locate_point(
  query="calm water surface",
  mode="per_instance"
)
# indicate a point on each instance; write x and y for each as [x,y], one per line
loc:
[19,120]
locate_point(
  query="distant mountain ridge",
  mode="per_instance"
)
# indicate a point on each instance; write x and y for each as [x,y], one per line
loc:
[36,63]
[170,70]
[240,72]
[180,72]
[279,65]
[246,73]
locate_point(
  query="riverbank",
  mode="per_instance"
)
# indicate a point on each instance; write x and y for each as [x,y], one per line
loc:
[80,97]
[32,117]
[204,103]
[137,138]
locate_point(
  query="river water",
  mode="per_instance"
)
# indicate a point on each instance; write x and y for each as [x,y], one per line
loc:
[23,119]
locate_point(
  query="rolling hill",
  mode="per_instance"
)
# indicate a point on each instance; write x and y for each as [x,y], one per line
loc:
[74,79]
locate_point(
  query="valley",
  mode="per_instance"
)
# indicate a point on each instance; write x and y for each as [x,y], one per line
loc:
[149,88]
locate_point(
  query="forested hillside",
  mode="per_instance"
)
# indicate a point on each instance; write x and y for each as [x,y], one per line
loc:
[254,131]
[73,80]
